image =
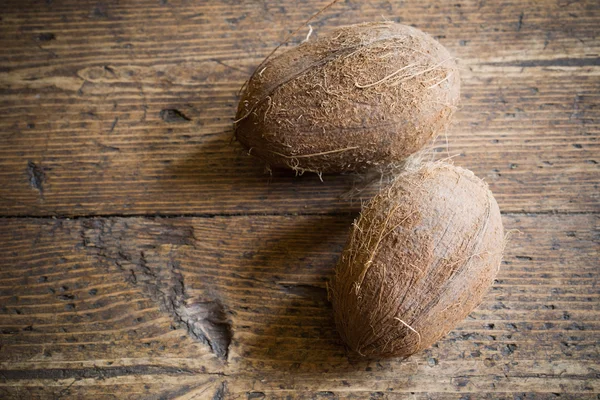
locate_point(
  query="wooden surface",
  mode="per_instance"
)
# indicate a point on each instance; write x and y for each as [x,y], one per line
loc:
[144,255]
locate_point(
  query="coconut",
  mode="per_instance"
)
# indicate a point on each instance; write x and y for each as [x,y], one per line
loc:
[363,96]
[419,259]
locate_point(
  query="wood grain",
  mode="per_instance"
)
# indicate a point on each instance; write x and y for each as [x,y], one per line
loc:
[125,108]
[80,315]
[187,272]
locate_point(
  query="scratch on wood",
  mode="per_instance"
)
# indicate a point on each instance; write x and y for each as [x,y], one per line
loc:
[37,177]
[114,124]
[106,148]
[110,69]
[65,390]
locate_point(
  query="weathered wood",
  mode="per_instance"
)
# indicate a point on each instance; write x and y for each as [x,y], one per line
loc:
[112,108]
[101,307]
[125,109]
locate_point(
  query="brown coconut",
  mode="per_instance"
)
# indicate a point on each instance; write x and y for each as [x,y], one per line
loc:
[420,258]
[362,96]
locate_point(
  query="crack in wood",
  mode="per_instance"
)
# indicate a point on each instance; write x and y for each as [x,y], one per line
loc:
[204,319]
[220,392]
[172,115]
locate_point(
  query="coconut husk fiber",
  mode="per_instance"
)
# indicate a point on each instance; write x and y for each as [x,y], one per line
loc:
[362,96]
[419,259]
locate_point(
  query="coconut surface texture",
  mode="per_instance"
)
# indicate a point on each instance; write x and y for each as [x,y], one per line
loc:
[362,96]
[420,258]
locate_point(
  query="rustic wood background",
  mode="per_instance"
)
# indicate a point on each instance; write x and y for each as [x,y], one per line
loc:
[143,255]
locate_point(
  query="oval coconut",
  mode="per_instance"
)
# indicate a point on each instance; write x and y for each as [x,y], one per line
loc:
[420,257]
[365,95]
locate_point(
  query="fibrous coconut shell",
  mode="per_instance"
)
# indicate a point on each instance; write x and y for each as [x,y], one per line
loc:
[419,259]
[360,97]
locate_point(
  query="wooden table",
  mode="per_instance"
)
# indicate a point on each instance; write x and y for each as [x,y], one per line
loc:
[144,255]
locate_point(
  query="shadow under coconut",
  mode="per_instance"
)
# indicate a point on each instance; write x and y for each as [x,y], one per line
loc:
[289,324]
[220,177]
[297,331]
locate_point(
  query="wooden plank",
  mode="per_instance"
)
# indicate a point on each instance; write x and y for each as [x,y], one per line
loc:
[87,88]
[97,306]
[105,386]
